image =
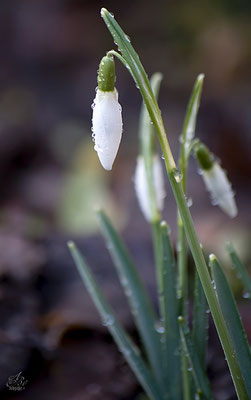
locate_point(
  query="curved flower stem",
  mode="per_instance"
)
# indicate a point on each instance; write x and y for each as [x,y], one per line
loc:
[142,82]
[119,56]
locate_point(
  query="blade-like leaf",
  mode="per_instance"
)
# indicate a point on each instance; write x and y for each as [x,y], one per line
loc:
[197,371]
[191,115]
[200,320]
[146,133]
[124,343]
[233,321]
[241,271]
[171,337]
[139,301]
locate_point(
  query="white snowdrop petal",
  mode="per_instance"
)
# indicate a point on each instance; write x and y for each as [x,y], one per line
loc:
[158,182]
[141,187]
[107,126]
[220,189]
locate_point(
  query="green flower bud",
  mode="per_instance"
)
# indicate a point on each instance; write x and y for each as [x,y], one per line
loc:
[106,74]
[204,157]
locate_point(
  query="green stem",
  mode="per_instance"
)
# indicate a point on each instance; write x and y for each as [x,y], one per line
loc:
[185,376]
[182,272]
[183,299]
[182,269]
[182,246]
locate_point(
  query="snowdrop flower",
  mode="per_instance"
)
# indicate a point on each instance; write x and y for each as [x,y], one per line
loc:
[141,186]
[216,181]
[107,118]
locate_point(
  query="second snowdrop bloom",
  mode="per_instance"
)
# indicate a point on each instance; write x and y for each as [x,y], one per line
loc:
[107,115]
[141,186]
[216,181]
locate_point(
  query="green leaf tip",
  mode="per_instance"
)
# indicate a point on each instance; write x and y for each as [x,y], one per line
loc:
[212,258]
[99,210]
[103,11]
[71,245]
[200,78]
[229,245]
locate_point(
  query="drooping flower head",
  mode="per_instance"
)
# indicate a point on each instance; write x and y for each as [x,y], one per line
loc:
[107,116]
[216,181]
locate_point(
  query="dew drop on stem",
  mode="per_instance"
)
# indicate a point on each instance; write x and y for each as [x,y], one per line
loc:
[189,202]
[159,327]
[177,175]
[108,320]
[213,284]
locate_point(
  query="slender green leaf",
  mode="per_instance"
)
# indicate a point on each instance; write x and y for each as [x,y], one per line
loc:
[171,337]
[197,371]
[241,271]
[233,321]
[124,343]
[200,320]
[189,126]
[146,129]
[139,301]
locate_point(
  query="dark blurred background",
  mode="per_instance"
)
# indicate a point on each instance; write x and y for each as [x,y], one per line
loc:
[51,179]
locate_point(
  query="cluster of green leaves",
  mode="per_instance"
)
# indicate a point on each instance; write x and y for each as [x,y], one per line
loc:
[172,361]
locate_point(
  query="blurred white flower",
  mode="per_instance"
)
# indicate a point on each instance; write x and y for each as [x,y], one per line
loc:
[107,126]
[220,189]
[141,186]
